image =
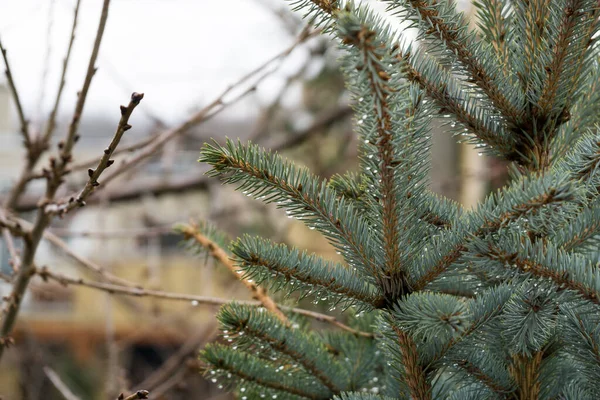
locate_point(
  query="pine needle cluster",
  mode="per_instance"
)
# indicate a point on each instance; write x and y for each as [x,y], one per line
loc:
[498,302]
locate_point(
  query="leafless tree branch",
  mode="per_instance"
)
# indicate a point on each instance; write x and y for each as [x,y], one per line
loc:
[59,384]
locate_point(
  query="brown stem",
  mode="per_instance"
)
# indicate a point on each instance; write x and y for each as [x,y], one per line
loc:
[525,370]
[103,164]
[51,124]
[141,292]
[220,255]
[140,394]
[414,374]
[11,83]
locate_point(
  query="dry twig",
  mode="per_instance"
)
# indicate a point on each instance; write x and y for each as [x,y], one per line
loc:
[194,299]
[59,384]
[140,394]
[11,83]
[258,293]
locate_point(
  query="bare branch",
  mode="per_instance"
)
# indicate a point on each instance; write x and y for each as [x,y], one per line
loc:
[194,299]
[59,384]
[104,162]
[140,394]
[11,83]
[220,255]
[51,124]
[12,225]
[44,218]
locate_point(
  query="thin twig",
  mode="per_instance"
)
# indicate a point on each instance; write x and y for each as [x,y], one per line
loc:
[11,83]
[259,293]
[188,349]
[140,394]
[59,384]
[47,56]
[194,299]
[103,164]
[43,218]
[51,124]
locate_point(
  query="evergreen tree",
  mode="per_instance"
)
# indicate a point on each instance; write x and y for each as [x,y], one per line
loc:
[498,302]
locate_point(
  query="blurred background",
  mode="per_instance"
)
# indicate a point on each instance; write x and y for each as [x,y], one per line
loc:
[190,58]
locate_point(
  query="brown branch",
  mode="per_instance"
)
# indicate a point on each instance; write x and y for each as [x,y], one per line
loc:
[414,375]
[59,384]
[11,83]
[140,394]
[51,123]
[157,186]
[135,190]
[188,349]
[68,144]
[258,293]
[525,370]
[13,225]
[103,164]
[196,299]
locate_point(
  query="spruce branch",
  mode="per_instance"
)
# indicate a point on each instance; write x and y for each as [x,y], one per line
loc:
[552,99]
[498,211]
[442,22]
[301,347]
[414,374]
[217,252]
[542,260]
[483,309]
[451,97]
[270,178]
[494,26]
[483,377]
[525,370]
[373,54]
[252,370]
[263,260]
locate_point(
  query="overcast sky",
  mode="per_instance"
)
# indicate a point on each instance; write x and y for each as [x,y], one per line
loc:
[180,53]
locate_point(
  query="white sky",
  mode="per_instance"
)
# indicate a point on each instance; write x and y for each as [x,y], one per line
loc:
[181,53]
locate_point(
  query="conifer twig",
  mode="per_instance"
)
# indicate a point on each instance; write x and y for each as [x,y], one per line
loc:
[460,44]
[394,284]
[259,293]
[414,374]
[517,210]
